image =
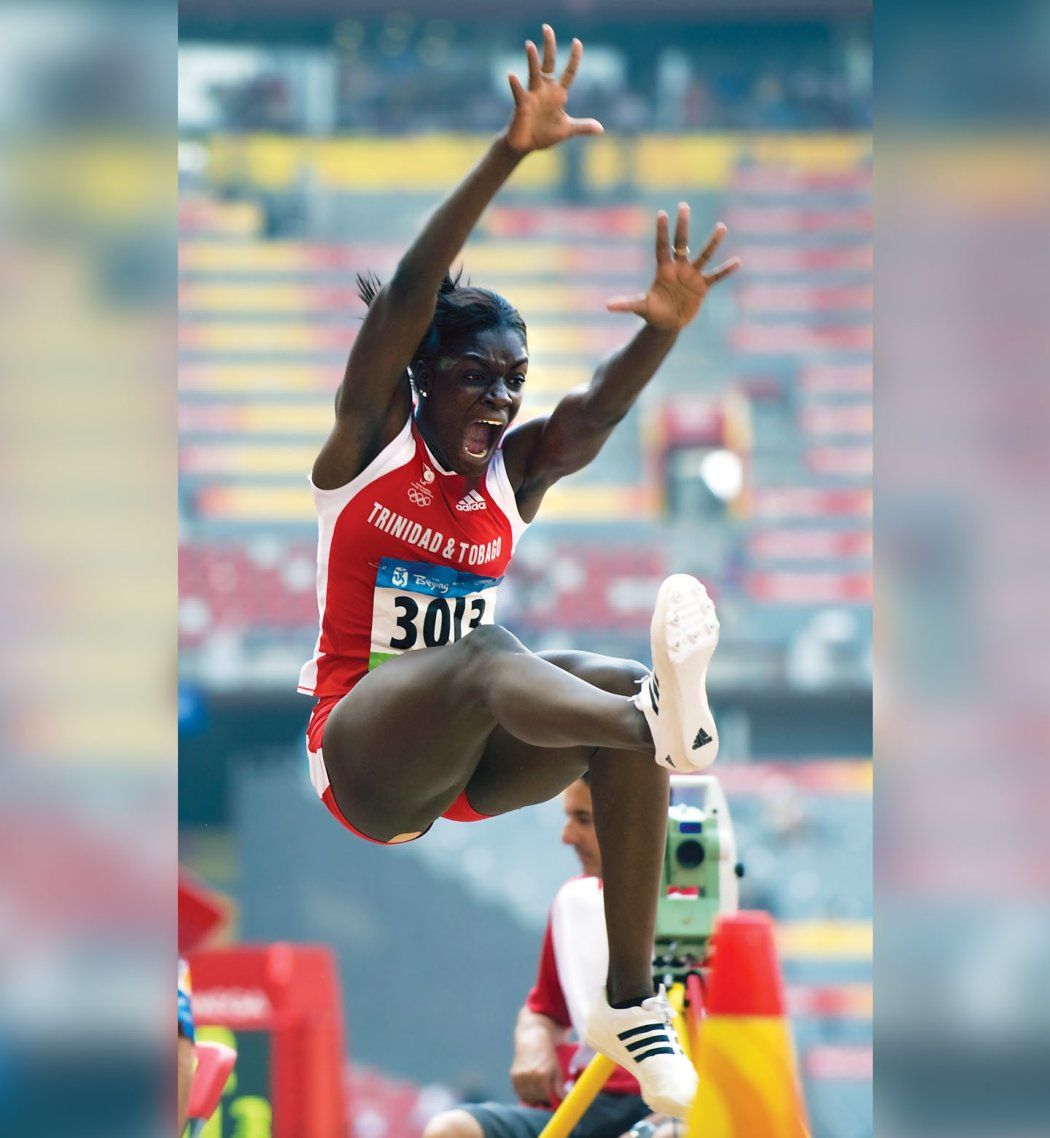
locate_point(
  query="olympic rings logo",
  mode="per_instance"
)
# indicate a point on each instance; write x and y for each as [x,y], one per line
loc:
[419,497]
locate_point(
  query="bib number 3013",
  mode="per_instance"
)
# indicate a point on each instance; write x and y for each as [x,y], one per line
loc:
[440,620]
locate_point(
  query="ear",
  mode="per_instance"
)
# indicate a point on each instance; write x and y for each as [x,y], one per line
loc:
[421,375]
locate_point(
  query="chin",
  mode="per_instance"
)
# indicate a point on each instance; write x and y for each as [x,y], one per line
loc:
[474,464]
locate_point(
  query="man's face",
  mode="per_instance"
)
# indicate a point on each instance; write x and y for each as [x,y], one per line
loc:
[579,828]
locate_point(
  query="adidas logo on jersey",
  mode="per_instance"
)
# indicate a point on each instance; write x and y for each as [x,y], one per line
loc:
[472,501]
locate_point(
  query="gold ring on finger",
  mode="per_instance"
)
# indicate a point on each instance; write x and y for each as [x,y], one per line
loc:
[682,251]
[546,74]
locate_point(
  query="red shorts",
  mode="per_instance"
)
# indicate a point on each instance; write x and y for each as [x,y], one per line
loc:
[460,810]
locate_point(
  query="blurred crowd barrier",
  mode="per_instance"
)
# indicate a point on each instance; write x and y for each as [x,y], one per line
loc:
[401,72]
[435,162]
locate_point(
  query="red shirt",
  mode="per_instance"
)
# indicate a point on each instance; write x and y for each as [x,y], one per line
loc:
[409,555]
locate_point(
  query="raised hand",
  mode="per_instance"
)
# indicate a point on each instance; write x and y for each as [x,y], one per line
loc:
[539,118]
[680,284]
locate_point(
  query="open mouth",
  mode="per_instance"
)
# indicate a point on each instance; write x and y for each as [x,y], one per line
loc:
[481,436]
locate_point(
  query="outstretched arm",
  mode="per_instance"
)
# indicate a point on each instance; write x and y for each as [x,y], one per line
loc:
[544,450]
[373,399]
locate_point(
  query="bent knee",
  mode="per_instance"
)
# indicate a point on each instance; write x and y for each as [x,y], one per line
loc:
[489,640]
[453,1124]
[482,652]
[630,675]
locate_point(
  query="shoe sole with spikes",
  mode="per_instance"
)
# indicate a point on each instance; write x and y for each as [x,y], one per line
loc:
[684,634]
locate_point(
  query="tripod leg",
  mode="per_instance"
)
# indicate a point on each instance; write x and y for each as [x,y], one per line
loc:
[574,1105]
[694,991]
[676,998]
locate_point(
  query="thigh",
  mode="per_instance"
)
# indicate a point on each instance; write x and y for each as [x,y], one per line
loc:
[610,1116]
[500,1120]
[400,747]
[610,673]
[512,774]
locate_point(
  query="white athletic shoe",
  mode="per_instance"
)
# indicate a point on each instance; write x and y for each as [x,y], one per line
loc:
[643,1041]
[673,696]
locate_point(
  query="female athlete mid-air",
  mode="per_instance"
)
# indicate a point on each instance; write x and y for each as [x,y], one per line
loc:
[422,489]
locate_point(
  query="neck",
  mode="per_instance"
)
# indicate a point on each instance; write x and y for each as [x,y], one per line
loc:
[432,443]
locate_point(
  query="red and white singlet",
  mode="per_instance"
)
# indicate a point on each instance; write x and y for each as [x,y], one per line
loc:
[409,555]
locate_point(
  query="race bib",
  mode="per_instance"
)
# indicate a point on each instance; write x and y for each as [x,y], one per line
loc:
[418,605]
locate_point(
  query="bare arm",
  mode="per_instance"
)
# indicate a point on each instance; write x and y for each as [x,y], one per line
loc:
[544,450]
[535,1073]
[373,399]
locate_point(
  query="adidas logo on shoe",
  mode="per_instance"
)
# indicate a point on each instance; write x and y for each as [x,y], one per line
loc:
[472,501]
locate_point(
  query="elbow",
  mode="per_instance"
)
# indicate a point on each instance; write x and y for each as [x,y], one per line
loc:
[599,408]
[599,418]
[593,412]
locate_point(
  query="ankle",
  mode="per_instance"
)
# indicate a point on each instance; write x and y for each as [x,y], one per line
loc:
[640,728]
[623,1005]
[628,997]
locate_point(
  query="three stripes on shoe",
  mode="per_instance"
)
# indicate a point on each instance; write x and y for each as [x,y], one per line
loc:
[650,1039]
[654,699]
[654,696]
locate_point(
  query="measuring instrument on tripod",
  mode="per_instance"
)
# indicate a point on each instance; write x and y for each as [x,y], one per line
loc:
[723,981]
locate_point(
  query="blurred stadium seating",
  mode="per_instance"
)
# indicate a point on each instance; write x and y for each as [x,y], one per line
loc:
[780,369]
[767,130]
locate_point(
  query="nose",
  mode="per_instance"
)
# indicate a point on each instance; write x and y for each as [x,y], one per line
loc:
[568,838]
[498,395]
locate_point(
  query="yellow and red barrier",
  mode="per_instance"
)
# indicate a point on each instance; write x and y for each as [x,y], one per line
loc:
[731,1017]
[749,1081]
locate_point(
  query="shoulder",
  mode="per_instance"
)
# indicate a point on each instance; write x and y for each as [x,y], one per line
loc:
[528,483]
[501,490]
[398,447]
[578,893]
[357,440]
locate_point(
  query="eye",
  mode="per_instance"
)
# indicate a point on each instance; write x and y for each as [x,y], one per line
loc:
[517,382]
[474,377]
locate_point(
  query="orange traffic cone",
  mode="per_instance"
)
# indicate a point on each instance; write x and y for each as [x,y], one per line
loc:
[748,1076]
